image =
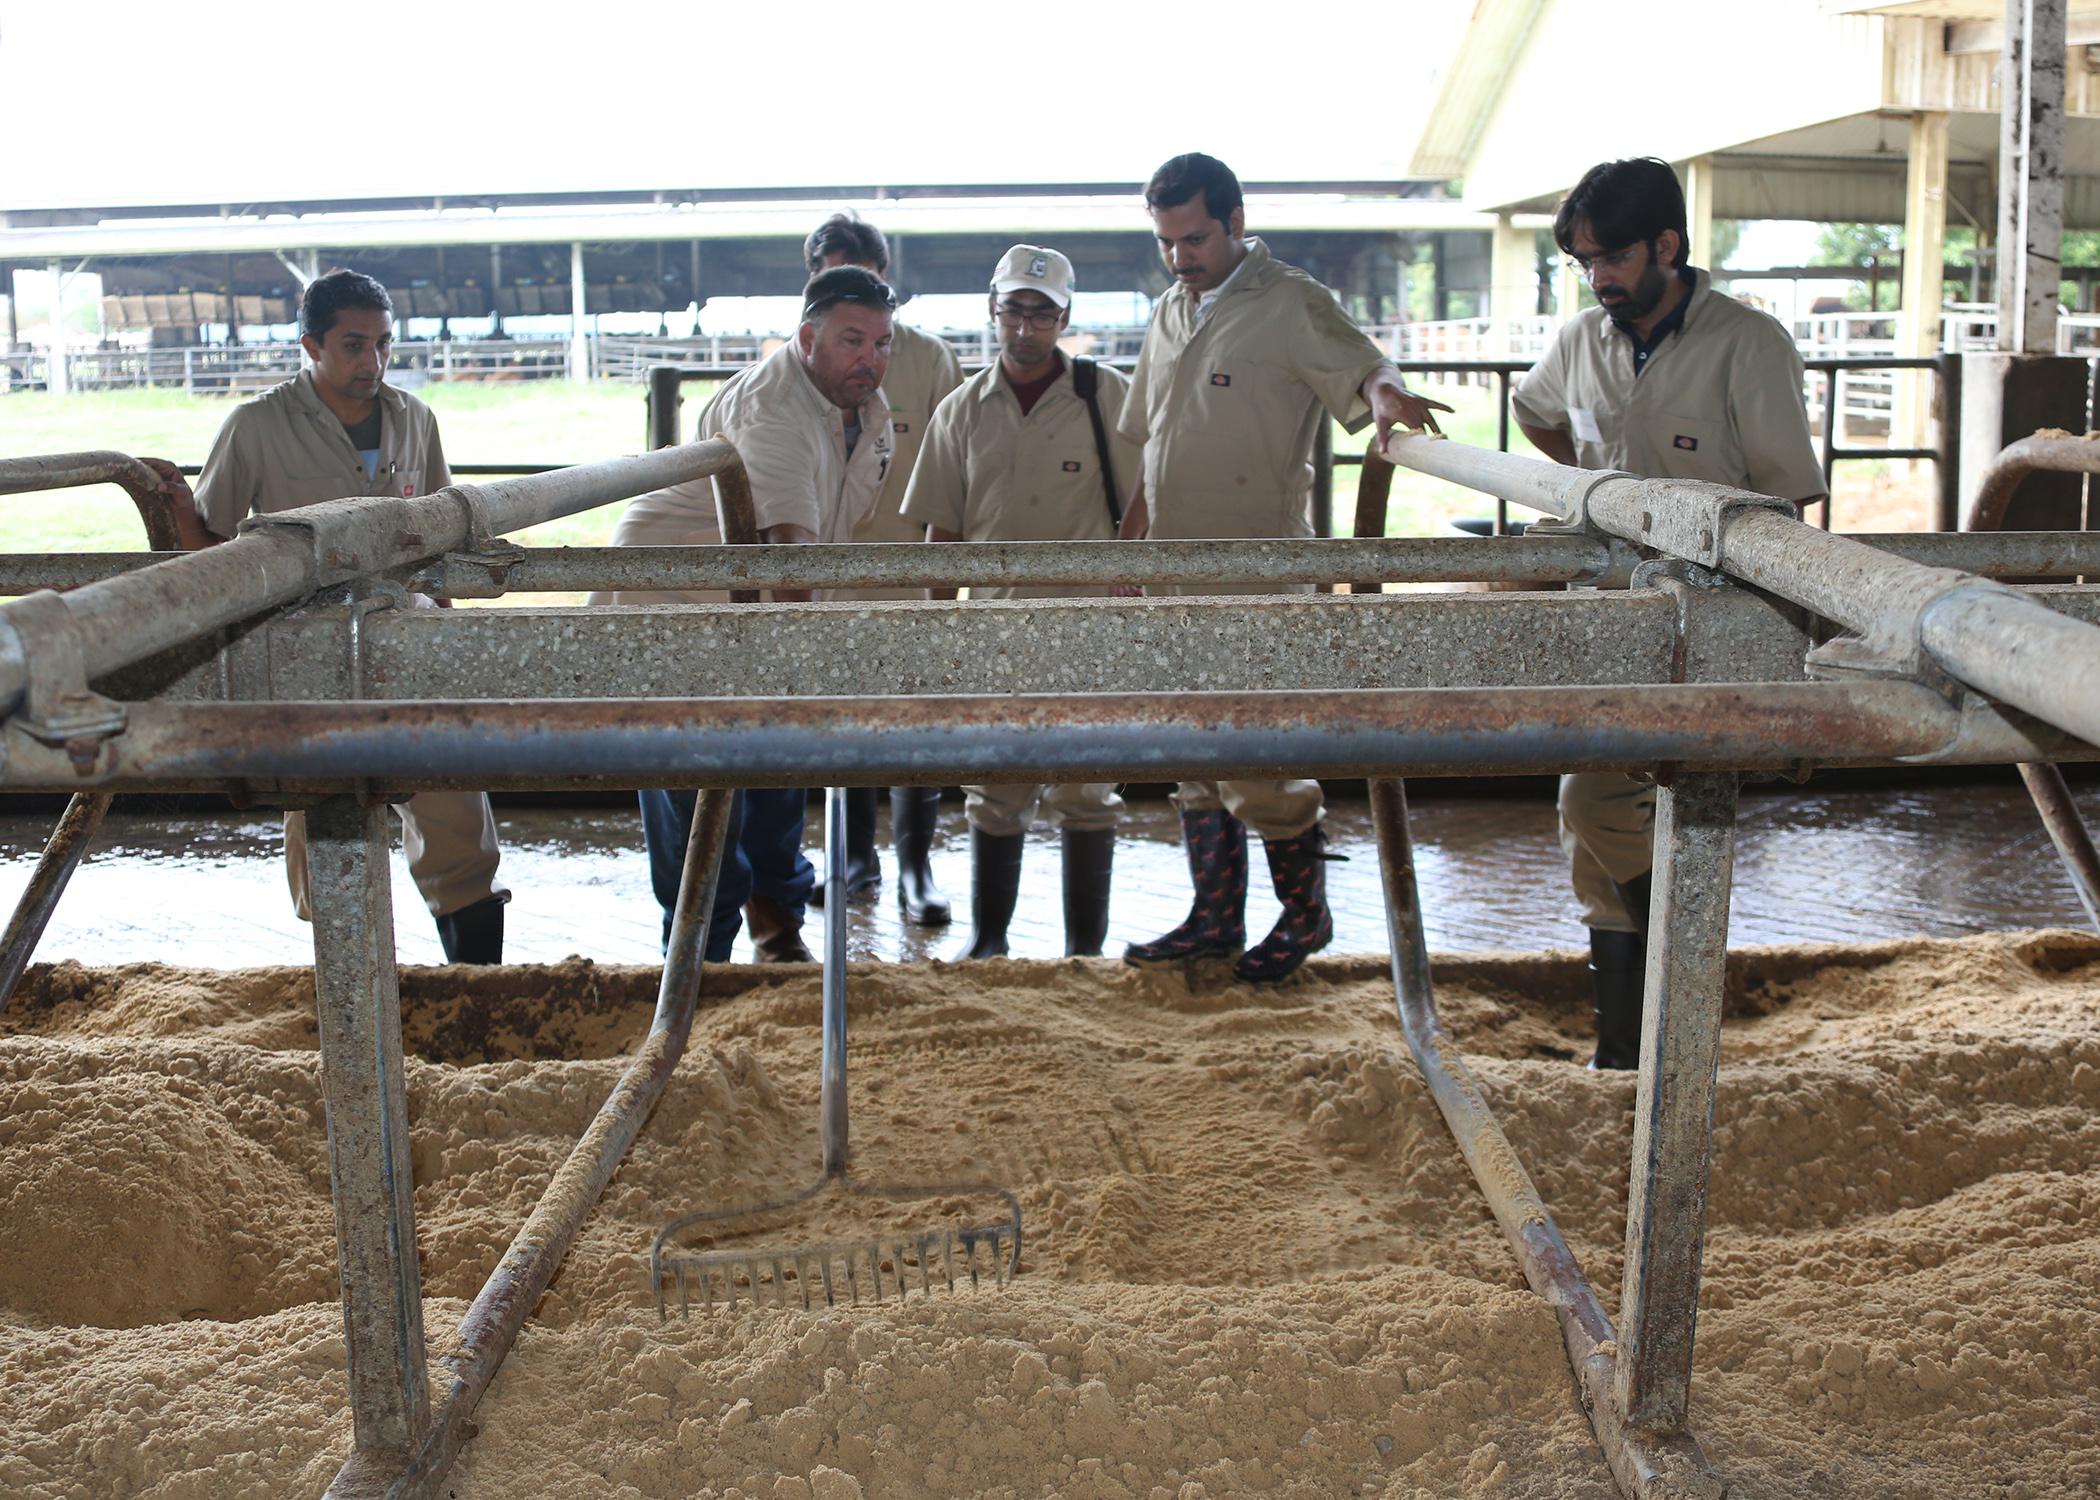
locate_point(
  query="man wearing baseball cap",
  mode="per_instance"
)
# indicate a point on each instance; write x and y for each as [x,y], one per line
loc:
[813,430]
[1027,451]
[923,369]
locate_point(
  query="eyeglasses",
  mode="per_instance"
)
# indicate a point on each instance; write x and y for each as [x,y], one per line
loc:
[1041,319]
[1618,260]
[884,301]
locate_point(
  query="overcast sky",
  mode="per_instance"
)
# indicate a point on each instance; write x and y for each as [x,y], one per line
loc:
[238,102]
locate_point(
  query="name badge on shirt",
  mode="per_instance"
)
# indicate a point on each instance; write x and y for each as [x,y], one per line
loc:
[1584,422]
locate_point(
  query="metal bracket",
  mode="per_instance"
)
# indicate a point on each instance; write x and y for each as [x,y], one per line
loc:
[347,538]
[1693,525]
[1684,580]
[1578,497]
[1897,652]
[59,708]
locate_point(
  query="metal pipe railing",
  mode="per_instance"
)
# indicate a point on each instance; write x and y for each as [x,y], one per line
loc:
[64,471]
[1982,634]
[897,740]
[288,555]
[2060,454]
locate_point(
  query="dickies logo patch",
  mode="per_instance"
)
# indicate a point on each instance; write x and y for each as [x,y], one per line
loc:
[900,428]
[1688,444]
[408,490]
[1219,377]
[1071,466]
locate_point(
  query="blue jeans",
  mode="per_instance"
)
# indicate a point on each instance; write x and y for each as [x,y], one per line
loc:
[761,855]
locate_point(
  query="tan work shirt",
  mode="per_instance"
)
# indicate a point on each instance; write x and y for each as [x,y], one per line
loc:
[793,443]
[990,474]
[285,449]
[923,370]
[1227,404]
[1719,401]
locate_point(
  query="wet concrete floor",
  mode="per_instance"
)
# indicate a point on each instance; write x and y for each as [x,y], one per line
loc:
[1812,865]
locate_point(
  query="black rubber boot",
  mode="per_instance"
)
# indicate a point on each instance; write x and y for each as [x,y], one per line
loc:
[1619,969]
[1090,857]
[1299,872]
[863,865]
[915,811]
[776,933]
[473,934]
[995,884]
[1216,843]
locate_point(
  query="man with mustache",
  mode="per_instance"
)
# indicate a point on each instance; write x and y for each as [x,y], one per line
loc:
[1022,452]
[923,369]
[1244,358]
[338,430]
[813,430]
[1664,378]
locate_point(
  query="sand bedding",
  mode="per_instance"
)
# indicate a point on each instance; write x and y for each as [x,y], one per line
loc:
[1256,1266]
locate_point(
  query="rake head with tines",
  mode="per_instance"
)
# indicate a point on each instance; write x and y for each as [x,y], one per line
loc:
[870,1268]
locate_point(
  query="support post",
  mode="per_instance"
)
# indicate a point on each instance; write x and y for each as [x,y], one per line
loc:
[1674,1107]
[1924,275]
[579,341]
[1699,209]
[664,398]
[358,999]
[55,358]
[1513,280]
[2030,175]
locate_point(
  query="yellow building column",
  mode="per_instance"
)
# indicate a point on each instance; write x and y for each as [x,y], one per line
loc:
[1924,269]
[1513,277]
[1699,209]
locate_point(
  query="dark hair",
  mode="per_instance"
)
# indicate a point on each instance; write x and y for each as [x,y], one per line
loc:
[1187,175]
[855,284]
[1624,203]
[851,236]
[326,297]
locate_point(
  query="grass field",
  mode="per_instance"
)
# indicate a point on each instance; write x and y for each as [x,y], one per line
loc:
[563,422]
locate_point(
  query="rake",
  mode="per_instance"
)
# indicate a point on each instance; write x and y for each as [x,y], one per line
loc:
[872,1267]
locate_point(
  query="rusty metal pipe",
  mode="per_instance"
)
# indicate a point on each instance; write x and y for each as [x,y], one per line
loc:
[2059,453]
[1645,1464]
[1082,737]
[64,471]
[290,554]
[736,516]
[2067,830]
[514,1288]
[54,869]
[1983,634]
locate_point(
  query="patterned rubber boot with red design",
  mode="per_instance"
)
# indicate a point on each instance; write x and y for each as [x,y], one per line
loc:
[1299,871]
[1216,842]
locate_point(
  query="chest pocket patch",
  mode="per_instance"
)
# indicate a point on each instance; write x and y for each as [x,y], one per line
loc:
[1219,377]
[1685,442]
[1071,466]
[900,428]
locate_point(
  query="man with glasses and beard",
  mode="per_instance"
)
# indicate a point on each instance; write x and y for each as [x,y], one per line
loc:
[1664,378]
[813,431]
[1023,452]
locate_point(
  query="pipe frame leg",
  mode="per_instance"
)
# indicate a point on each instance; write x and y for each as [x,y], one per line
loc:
[1674,1106]
[67,846]
[358,998]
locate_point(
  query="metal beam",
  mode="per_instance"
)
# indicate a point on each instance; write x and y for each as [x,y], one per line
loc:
[358,1002]
[2030,175]
[1674,1103]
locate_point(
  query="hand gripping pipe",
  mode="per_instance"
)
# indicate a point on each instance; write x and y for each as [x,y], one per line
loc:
[1907,616]
[290,554]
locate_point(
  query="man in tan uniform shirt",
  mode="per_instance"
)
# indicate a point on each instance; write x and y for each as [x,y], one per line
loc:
[1012,456]
[812,427]
[1664,378]
[1244,358]
[923,369]
[338,430]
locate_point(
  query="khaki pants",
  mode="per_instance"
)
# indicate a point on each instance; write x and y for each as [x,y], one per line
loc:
[1008,808]
[449,839]
[1607,825]
[1273,809]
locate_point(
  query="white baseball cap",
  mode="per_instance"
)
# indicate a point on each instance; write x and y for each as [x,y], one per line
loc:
[1031,268]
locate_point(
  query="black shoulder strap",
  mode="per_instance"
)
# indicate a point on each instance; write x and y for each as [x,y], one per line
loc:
[1086,381]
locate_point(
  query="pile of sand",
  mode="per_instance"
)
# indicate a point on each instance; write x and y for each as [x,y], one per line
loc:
[1256,1263]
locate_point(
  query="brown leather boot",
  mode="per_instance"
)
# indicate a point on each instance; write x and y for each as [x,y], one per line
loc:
[776,932]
